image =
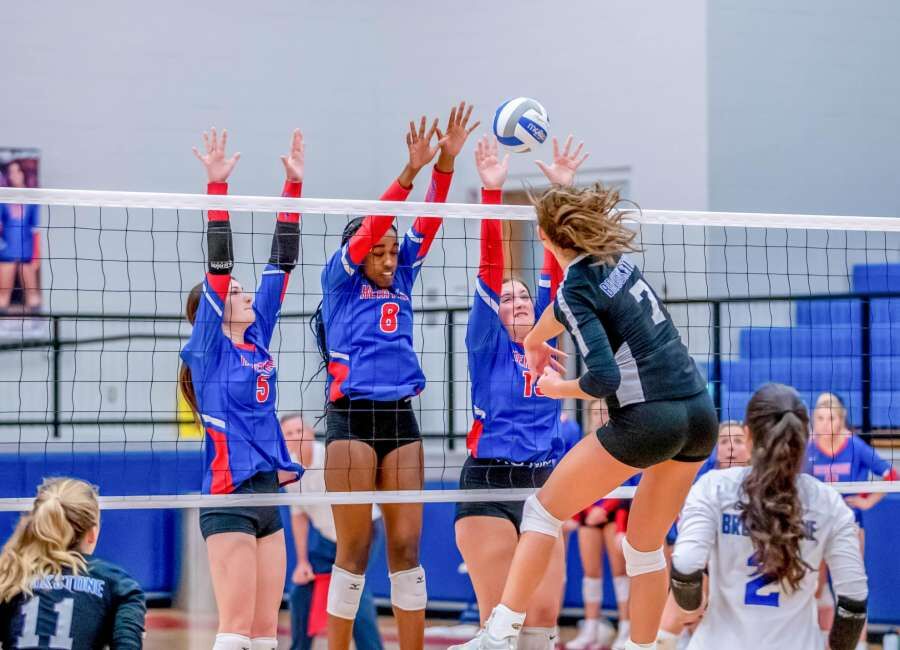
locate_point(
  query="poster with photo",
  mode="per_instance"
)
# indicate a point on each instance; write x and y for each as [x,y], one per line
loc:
[20,238]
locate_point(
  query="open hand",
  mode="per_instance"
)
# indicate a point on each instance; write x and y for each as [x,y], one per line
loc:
[562,172]
[452,141]
[293,162]
[218,166]
[492,171]
[418,141]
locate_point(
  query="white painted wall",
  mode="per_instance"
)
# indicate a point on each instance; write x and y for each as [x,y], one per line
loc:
[115,94]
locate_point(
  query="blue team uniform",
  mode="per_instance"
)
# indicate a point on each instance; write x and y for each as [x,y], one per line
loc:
[17,225]
[236,384]
[571,433]
[369,331]
[855,461]
[513,421]
[237,389]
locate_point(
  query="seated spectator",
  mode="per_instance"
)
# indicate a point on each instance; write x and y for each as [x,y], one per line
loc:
[53,593]
[315,541]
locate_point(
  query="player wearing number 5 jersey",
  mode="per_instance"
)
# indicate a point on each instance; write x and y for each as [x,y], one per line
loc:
[53,594]
[364,329]
[763,531]
[229,378]
[516,435]
[662,420]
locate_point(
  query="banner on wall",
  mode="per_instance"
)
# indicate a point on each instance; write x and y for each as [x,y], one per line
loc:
[20,239]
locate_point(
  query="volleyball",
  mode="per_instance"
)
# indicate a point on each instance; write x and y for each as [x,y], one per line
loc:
[521,124]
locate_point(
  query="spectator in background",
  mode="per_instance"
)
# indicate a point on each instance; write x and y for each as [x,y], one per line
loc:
[835,454]
[18,245]
[315,542]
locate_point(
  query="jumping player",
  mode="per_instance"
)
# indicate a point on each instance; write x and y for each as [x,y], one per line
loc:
[662,420]
[229,379]
[53,593]
[364,330]
[516,437]
[602,527]
[762,531]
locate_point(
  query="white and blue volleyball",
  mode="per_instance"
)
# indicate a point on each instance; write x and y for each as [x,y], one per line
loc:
[521,124]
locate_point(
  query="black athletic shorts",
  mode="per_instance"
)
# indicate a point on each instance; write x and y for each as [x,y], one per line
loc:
[384,426]
[645,434]
[259,521]
[492,473]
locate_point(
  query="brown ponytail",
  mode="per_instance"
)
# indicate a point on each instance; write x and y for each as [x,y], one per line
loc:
[585,220]
[772,513]
[45,539]
[185,381]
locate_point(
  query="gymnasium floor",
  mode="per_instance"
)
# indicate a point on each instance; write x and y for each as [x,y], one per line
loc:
[169,629]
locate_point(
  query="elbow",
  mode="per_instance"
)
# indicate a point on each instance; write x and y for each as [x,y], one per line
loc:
[600,383]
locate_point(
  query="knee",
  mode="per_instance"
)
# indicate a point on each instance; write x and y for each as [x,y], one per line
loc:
[403,553]
[542,614]
[353,556]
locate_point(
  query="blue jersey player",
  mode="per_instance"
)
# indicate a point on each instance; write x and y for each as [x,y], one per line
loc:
[365,333]
[19,244]
[662,421]
[835,454]
[53,592]
[516,436]
[229,378]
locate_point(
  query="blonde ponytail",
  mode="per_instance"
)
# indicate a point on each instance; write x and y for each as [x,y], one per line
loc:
[45,539]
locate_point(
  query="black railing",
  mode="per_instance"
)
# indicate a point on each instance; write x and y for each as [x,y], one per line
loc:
[56,344]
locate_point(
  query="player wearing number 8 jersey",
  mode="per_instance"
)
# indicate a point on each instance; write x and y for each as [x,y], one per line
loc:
[229,378]
[662,420]
[763,531]
[53,593]
[364,329]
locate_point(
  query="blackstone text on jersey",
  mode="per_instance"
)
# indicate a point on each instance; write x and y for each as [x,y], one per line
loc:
[732,524]
[266,367]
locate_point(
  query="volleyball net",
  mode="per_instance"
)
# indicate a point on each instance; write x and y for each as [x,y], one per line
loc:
[89,383]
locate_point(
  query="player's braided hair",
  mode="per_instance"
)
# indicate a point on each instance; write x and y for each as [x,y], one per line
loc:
[45,539]
[317,322]
[586,220]
[770,505]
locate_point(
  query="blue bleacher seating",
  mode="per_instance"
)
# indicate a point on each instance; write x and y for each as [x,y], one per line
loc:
[885,411]
[876,277]
[787,342]
[886,374]
[828,312]
[885,340]
[885,310]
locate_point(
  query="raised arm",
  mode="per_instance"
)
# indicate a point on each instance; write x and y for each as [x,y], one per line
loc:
[493,174]
[218,231]
[286,240]
[374,227]
[451,143]
[562,172]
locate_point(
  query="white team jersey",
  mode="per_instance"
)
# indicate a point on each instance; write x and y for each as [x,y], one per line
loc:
[747,610]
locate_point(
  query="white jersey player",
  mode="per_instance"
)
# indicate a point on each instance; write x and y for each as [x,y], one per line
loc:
[762,531]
